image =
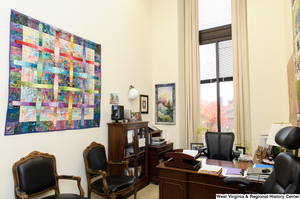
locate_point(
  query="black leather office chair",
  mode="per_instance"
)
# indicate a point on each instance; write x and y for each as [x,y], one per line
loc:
[96,165]
[285,178]
[36,174]
[219,146]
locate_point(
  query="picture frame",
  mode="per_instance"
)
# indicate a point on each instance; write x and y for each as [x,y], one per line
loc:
[270,151]
[259,150]
[144,104]
[136,116]
[264,152]
[165,104]
[114,98]
[196,146]
[241,149]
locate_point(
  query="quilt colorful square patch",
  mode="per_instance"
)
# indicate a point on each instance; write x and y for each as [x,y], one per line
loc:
[54,79]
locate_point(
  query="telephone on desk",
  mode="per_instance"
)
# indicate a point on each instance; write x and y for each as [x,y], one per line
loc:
[185,159]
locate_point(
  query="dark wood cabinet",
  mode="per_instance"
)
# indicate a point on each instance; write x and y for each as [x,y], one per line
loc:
[156,156]
[129,141]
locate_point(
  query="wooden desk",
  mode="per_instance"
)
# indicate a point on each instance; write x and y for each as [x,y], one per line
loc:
[177,183]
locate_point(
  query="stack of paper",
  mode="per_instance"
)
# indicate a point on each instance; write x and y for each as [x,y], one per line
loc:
[210,169]
[158,141]
[255,173]
[245,158]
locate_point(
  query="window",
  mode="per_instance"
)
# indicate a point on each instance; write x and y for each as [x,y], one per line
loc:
[216,67]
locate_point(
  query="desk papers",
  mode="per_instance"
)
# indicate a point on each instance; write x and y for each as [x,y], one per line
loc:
[255,173]
[235,172]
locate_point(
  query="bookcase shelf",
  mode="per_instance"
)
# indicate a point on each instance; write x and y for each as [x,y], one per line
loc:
[129,141]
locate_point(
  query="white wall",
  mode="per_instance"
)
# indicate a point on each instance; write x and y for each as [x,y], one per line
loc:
[123,28]
[270,48]
[167,59]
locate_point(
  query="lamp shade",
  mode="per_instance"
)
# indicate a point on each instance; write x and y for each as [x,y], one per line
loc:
[133,94]
[274,129]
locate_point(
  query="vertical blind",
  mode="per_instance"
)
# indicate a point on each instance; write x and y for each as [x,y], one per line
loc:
[214,13]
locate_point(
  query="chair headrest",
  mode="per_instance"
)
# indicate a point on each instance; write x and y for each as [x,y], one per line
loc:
[288,137]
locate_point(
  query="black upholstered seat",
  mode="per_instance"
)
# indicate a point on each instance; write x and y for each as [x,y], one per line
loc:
[96,164]
[285,178]
[115,183]
[36,174]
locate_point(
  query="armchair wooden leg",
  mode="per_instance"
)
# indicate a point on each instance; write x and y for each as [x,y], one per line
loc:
[89,194]
[135,191]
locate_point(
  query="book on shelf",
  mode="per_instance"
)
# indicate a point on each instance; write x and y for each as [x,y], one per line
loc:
[210,170]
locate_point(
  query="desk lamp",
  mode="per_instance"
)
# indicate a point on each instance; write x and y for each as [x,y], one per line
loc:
[271,137]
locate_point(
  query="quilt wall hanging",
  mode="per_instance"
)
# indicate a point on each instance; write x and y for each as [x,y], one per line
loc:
[165,101]
[54,78]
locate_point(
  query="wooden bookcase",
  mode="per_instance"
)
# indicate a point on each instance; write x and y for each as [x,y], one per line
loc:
[129,141]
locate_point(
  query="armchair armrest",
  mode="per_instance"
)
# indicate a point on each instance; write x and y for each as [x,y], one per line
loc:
[69,177]
[103,173]
[241,183]
[121,162]
[21,193]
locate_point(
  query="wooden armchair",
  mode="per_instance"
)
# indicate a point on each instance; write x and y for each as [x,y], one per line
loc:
[36,174]
[96,165]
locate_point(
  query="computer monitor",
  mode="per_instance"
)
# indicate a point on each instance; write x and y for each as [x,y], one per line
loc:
[117,112]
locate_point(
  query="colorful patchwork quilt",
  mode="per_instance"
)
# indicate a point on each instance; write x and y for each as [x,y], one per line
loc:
[54,78]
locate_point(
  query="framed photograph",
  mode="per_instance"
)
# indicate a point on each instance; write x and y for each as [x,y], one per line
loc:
[264,152]
[196,146]
[241,149]
[136,116]
[165,104]
[144,104]
[114,98]
[259,150]
[270,151]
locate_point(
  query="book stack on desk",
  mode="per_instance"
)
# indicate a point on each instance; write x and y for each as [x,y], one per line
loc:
[158,141]
[210,170]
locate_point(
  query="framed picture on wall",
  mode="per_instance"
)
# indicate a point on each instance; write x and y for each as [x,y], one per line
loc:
[165,104]
[144,104]
[114,98]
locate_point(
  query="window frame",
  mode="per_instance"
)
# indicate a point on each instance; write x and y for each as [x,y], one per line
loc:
[216,35]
